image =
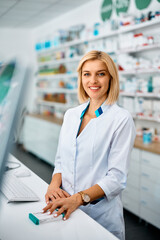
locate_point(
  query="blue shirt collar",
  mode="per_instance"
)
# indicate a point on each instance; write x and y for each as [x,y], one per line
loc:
[98,112]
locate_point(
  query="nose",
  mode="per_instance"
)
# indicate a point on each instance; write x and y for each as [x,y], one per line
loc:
[93,79]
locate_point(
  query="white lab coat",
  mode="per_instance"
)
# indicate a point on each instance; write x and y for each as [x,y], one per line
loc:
[99,155]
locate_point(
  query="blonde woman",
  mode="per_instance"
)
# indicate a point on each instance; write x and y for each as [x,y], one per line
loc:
[94,148]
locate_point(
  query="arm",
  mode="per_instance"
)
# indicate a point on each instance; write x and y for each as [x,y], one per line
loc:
[118,160]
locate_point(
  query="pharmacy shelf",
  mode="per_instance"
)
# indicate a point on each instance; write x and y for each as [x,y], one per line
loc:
[56,90]
[101,36]
[127,94]
[144,118]
[137,94]
[59,61]
[56,76]
[146,24]
[139,49]
[139,71]
[53,104]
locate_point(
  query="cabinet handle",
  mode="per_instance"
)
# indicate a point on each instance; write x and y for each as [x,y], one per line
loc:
[146,161]
[143,202]
[145,189]
[145,175]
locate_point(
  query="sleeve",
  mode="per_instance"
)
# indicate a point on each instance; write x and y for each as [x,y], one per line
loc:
[118,160]
[58,159]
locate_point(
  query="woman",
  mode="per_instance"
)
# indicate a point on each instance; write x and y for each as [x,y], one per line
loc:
[95,143]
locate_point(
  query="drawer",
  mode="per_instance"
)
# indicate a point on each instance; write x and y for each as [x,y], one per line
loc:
[150,216]
[150,187]
[134,167]
[150,202]
[150,174]
[132,193]
[151,159]
[133,180]
[130,205]
[135,154]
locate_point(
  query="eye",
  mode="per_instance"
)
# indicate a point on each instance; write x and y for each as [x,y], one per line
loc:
[86,74]
[101,74]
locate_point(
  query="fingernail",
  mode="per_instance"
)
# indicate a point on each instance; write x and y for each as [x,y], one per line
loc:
[55,215]
[64,218]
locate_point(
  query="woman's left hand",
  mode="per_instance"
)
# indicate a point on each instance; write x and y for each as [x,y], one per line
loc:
[66,205]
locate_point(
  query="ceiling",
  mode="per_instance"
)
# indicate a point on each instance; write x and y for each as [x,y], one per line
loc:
[33,13]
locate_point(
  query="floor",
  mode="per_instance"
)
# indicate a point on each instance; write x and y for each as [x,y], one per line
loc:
[136,229]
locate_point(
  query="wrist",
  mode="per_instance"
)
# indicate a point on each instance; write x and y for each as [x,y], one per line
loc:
[78,199]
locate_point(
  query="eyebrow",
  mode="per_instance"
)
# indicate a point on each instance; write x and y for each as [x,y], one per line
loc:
[97,71]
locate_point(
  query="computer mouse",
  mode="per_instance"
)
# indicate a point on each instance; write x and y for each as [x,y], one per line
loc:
[22,173]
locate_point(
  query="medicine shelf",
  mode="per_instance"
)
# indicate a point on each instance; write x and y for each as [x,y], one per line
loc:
[56,76]
[56,90]
[64,106]
[139,71]
[139,26]
[139,49]
[95,38]
[137,94]
[153,119]
[59,61]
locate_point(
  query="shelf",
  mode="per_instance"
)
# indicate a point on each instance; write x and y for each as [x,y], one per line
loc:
[57,76]
[147,118]
[59,61]
[153,147]
[137,94]
[56,90]
[139,71]
[127,94]
[95,38]
[139,49]
[139,26]
[51,119]
[53,104]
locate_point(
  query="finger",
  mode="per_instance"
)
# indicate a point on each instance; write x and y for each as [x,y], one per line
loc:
[56,195]
[47,207]
[61,194]
[54,206]
[47,198]
[66,194]
[60,211]
[67,215]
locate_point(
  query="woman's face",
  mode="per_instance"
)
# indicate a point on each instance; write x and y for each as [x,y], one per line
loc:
[95,79]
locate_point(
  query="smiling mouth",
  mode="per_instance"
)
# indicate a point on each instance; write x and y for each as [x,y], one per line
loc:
[94,88]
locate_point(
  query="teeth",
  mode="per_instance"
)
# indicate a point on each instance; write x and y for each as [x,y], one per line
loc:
[94,88]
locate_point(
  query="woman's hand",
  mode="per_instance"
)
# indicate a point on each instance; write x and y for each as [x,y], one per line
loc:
[66,205]
[54,193]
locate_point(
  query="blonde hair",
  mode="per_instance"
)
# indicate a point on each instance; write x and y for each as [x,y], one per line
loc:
[113,91]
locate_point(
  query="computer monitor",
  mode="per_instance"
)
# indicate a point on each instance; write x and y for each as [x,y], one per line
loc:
[13,80]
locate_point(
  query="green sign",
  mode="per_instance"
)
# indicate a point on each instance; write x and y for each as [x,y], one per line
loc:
[106,9]
[122,6]
[142,4]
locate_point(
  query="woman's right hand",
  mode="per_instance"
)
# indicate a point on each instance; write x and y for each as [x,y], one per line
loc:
[55,193]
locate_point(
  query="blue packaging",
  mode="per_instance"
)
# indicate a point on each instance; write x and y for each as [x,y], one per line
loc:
[147,137]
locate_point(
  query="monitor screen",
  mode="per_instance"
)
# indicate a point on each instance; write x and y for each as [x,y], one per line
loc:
[13,78]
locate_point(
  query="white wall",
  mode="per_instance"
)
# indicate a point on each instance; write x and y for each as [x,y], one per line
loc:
[20,44]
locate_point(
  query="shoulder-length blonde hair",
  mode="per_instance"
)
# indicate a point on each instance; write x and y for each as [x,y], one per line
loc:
[113,91]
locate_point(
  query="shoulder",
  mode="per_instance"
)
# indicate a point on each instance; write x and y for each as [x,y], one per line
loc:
[120,113]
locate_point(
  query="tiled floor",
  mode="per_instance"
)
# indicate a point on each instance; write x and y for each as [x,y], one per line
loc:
[135,228]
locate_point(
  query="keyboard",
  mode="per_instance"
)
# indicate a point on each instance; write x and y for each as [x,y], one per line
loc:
[16,191]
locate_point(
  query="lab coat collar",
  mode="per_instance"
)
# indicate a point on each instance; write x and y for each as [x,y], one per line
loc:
[98,112]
